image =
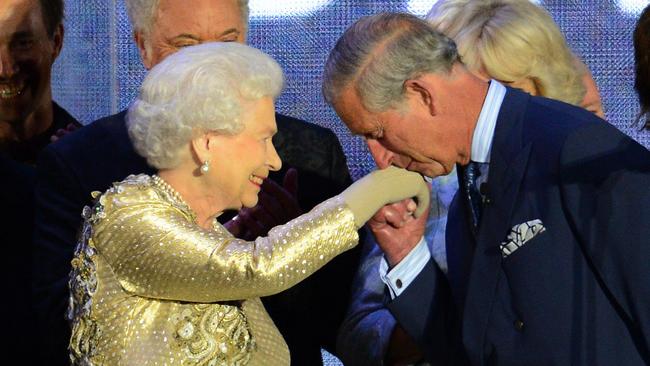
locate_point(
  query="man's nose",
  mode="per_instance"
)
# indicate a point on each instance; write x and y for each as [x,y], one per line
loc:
[382,156]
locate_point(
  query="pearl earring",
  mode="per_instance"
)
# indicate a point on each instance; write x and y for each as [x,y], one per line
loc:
[205,167]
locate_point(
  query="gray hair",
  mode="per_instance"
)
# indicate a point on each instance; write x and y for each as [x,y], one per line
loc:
[142,13]
[377,54]
[197,89]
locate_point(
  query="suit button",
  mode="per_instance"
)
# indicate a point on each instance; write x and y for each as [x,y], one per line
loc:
[519,325]
[398,283]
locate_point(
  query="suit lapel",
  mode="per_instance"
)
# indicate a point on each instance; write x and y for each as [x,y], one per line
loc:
[460,243]
[508,161]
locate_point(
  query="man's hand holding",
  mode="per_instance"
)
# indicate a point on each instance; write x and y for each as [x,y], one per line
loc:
[396,230]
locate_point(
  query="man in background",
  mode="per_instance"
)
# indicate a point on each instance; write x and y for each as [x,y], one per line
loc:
[97,155]
[31,37]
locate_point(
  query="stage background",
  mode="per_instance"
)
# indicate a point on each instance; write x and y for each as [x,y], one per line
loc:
[99,70]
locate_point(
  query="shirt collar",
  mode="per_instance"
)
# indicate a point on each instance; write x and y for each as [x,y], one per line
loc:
[487,121]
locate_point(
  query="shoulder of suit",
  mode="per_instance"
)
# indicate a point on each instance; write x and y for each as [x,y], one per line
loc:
[287,124]
[555,120]
[62,117]
[107,130]
[603,144]
[555,108]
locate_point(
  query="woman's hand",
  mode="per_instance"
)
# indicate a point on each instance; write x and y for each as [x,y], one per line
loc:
[381,187]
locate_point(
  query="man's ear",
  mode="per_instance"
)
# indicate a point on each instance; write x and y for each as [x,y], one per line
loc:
[421,91]
[143,47]
[57,41]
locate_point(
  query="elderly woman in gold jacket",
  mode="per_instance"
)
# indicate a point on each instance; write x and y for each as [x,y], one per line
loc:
[156,280]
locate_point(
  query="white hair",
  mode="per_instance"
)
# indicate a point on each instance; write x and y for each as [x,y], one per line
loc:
[197,89]
[142,13]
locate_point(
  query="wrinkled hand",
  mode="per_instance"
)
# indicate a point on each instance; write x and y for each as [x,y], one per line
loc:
[276,206]
[396,230]
[63,131]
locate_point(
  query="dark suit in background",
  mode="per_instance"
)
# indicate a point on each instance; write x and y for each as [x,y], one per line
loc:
[91,159]
[17,170]
[577,293]
[16,218]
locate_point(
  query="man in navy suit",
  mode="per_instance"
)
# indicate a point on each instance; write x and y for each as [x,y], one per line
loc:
[95,156]
[548,238]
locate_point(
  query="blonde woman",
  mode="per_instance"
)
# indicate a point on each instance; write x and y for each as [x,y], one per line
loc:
[517,43]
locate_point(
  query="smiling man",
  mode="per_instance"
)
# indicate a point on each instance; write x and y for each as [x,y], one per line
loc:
[94,157]
[547,236]
[31,36]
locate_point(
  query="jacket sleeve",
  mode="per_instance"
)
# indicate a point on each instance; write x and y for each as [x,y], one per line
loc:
[426,312]
[605,182]
[57,215]
[325,297]
[58,207]
[426,309]
[366,330]
[155,251]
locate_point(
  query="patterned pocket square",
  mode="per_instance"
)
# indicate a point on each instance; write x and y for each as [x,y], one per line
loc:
[520,235]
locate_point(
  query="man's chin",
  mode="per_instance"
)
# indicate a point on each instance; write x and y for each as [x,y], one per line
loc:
[434,174]
[12,117]
[446,171]
[429,170]
[16,110]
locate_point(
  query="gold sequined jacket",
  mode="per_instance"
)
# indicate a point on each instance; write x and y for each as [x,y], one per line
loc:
[150,287]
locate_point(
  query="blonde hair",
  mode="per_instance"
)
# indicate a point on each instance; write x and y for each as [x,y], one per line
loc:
[511,40]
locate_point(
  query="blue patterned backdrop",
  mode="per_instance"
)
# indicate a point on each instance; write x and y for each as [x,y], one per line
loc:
[99,70]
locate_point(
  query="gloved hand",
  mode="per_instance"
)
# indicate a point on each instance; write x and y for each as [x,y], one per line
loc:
[381,187]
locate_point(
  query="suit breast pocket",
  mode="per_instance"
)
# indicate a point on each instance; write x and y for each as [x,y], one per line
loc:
[521,235]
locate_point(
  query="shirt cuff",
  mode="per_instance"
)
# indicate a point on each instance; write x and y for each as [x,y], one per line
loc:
[401,276]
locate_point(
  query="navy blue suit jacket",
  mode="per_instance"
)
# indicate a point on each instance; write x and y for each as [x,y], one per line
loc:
[95,156]
[576,294]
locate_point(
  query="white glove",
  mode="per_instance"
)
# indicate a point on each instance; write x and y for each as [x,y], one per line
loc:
[381,187]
